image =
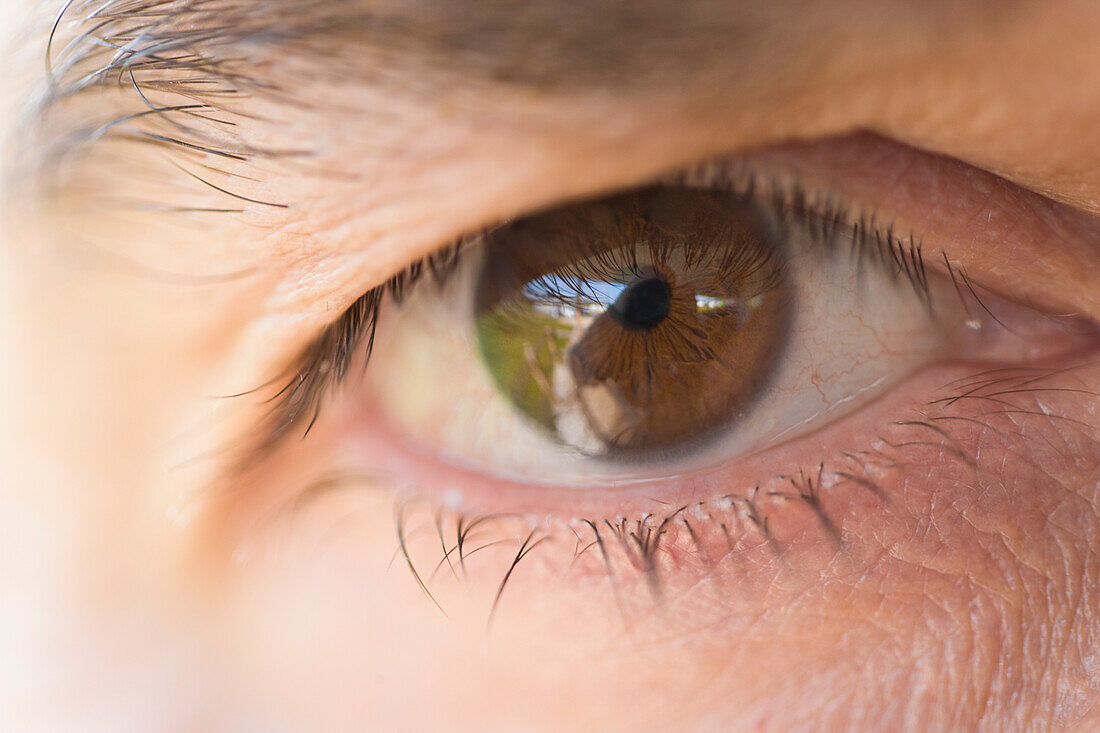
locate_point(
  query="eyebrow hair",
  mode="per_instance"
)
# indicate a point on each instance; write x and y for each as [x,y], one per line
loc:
[179,74]
[187,61]
[534,42]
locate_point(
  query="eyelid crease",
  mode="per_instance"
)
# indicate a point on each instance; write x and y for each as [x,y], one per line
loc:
[1017,243]
[326,361]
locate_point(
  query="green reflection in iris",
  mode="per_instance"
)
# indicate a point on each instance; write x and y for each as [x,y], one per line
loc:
[520,347]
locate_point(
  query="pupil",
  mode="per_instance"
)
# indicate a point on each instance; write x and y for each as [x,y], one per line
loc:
[643,304]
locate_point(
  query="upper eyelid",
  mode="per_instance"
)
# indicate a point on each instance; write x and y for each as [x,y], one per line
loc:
[325,360]
[207,56]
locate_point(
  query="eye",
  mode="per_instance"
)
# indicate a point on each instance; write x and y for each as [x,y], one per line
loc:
[739,372]
[659,331]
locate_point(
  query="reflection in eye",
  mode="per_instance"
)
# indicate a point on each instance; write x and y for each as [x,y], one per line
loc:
[658,320]
[672,327]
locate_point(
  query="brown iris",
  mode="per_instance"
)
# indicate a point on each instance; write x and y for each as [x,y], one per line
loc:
[637,324]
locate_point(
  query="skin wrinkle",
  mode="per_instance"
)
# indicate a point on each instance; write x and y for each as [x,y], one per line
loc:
[942,701]
[1000,540]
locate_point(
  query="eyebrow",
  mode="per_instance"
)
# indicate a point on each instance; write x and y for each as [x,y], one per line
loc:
[193,59]
[537,42]
[180,73]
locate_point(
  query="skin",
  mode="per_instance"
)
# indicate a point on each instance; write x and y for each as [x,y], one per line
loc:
[151,590]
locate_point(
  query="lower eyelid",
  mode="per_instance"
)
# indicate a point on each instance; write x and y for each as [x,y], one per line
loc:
[956,453]
[414,469]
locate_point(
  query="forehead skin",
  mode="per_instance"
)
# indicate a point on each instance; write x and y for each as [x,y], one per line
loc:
[424,120]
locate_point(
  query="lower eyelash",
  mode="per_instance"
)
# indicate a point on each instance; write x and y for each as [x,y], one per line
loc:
[631,551]
[326,361]
[641,560]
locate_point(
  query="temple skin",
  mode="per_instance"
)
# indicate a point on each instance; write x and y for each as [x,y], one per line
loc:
[128,603]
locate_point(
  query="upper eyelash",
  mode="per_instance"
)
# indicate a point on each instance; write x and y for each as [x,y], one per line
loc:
[569,284]
[325,362]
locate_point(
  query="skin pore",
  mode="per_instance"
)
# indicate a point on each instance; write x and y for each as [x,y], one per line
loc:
[153,587]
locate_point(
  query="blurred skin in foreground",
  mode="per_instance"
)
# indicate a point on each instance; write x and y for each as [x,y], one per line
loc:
[196,192]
